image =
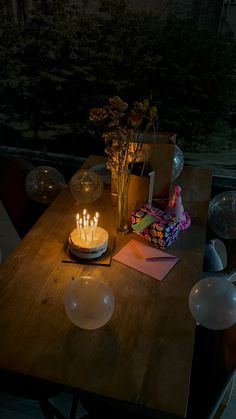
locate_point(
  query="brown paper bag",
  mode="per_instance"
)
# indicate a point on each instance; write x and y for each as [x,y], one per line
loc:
[160,159]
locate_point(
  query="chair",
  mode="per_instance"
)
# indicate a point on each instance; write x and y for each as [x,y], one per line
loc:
[212,373]
[31,388]
[22,211]
[214,362]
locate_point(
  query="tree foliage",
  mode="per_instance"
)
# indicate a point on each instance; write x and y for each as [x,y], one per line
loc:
[61,63]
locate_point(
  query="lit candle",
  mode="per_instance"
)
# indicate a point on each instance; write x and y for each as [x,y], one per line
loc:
[85,228]
[89,229]
[84,214]
[92,226]
[77,224]
[81,228]
[89,232]
[95,225]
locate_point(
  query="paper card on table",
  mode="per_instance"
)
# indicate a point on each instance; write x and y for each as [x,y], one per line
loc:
[135,255]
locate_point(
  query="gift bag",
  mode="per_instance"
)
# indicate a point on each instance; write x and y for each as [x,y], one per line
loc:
[153,186]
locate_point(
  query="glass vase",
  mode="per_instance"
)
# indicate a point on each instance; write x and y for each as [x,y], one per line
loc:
[122,184]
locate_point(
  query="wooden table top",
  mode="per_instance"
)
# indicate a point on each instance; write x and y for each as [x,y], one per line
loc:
[143,354]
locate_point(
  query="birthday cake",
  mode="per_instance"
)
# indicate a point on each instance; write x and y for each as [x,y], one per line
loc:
[91,246]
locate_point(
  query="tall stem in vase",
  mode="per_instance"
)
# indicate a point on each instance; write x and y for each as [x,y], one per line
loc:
[122,181]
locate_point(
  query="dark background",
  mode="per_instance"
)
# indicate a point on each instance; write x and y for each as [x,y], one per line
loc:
[61,58]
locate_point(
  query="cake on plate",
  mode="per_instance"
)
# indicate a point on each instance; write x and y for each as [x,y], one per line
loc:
[91,246]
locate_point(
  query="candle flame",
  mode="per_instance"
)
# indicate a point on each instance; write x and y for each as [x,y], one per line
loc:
[86,227]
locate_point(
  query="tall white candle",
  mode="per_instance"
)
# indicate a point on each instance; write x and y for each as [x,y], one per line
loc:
[92,232]
[95,225]
[77,225]
[84,215]
[85,226]
[81,228]
[85,230]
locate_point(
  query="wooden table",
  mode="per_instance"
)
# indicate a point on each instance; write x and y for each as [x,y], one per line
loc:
[143,355]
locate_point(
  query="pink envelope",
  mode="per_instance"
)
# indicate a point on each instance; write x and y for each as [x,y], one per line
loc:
[134,254]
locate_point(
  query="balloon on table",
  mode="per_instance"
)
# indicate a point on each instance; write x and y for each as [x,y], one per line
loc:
[178,163]
[89,302]
[212,302]
[86,186]
[222,214]
[43,184]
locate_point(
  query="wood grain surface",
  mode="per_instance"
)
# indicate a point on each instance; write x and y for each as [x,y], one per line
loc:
[143,354]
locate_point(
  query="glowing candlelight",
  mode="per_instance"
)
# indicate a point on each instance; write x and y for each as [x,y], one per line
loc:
[86,227]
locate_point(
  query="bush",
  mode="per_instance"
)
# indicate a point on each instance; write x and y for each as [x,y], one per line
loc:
[59,64]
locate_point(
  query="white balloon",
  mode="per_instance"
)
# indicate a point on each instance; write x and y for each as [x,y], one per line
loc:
[89,302]
[178,163]
[86,186]
[222,214]
[43,184]
[212,302]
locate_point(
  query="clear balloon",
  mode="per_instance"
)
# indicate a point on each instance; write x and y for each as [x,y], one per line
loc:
[222,214]
[212,302]
[178,163]
[89,302]
[44,183]
[86,186]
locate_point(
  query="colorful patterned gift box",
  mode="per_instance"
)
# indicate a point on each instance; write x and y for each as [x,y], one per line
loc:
[156,226]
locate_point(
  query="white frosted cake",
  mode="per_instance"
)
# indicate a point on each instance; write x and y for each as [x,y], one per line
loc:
[90,247]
